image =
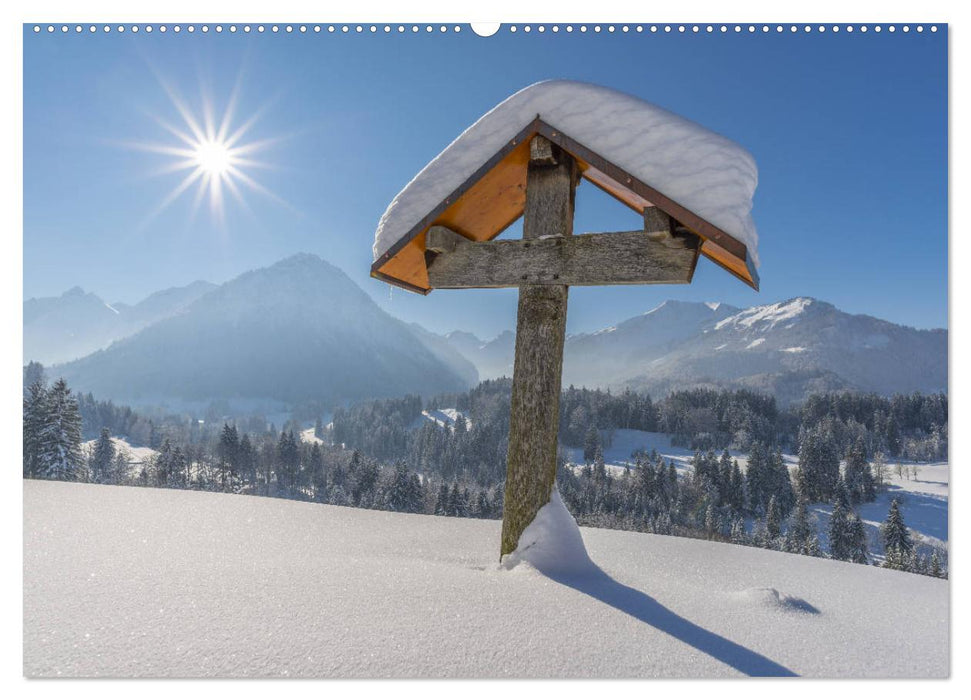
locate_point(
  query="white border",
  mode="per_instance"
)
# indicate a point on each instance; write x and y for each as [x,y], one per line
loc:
[360,11]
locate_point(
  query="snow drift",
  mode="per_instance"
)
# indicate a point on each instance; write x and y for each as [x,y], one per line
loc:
[124,581]
[552,543]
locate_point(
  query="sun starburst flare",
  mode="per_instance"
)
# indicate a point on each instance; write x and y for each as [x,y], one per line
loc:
[214,156]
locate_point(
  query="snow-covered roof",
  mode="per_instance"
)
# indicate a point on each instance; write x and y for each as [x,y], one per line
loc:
[697,170]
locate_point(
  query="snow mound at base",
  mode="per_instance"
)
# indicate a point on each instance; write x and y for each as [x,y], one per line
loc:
[552,543]
[771,599]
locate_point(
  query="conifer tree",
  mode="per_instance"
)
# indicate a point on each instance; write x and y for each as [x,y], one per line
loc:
[819,464]
[454,506]
[738,530]
[773,524]
[711,520]
[179,468]
[857,474]
[801,536]
[757,484]
[36,416]
[723,482]
[246,460]
[897,544]
[591,443]
[736,488]
[441,503]
[859,551]
[102,458]
[840,545]
[288,460]
[780,484]
[59,455]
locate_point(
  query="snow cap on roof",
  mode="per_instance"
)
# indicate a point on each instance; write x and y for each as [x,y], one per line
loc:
[704,172]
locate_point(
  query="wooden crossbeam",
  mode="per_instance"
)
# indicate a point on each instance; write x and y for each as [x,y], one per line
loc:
[589,259]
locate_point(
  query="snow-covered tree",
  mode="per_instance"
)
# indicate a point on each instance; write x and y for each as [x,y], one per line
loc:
[897,544]
[840,545]
[102,459]
[857,474]
[228,454]
[36,415]
[773,522]
[819,464]
[441,503]
[59,448]
[591,444]
[711,520]
[859,550]
[801,536]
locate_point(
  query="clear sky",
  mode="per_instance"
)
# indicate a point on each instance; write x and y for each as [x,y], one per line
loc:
[849,132]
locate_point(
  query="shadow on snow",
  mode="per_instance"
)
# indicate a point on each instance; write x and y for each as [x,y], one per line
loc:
[597,584]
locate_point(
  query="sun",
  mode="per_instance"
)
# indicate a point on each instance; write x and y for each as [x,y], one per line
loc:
[214,157]
[213,154]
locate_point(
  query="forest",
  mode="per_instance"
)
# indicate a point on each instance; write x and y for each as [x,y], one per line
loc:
[382,454]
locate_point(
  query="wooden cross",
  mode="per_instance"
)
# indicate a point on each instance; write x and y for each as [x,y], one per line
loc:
[544,264]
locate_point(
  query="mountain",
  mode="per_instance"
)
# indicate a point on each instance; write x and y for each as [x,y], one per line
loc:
[789,349]
[295,331]
[71,325]
[446,354]
[163,304]
[493,358]
[77,323]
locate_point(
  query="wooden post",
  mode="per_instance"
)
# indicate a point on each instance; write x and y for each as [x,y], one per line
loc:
[551,182]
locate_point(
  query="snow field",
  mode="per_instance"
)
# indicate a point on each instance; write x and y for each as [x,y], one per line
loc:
[148,582]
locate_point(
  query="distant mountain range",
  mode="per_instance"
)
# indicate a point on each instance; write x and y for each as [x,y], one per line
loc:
[789,349]
[301,330]
[75,324]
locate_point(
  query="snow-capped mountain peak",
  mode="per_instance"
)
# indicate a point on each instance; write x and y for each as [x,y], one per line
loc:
[768,316]
[788,348]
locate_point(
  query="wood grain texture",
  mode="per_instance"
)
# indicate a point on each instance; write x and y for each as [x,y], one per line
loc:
[628,257]
[537,373]
[440,239]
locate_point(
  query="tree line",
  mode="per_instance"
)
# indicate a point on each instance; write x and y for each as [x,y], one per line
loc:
[384,454]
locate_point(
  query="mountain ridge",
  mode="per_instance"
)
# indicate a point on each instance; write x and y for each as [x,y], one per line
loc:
[788,348]
[297,330]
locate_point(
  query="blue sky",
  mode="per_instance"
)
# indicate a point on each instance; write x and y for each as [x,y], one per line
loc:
[849,132]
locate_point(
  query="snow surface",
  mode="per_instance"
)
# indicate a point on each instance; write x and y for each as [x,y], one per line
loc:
[710,175]
[442,417]
[148,582]
[309,437]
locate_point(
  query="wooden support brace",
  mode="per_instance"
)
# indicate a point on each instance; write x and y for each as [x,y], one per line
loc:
[589,259]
